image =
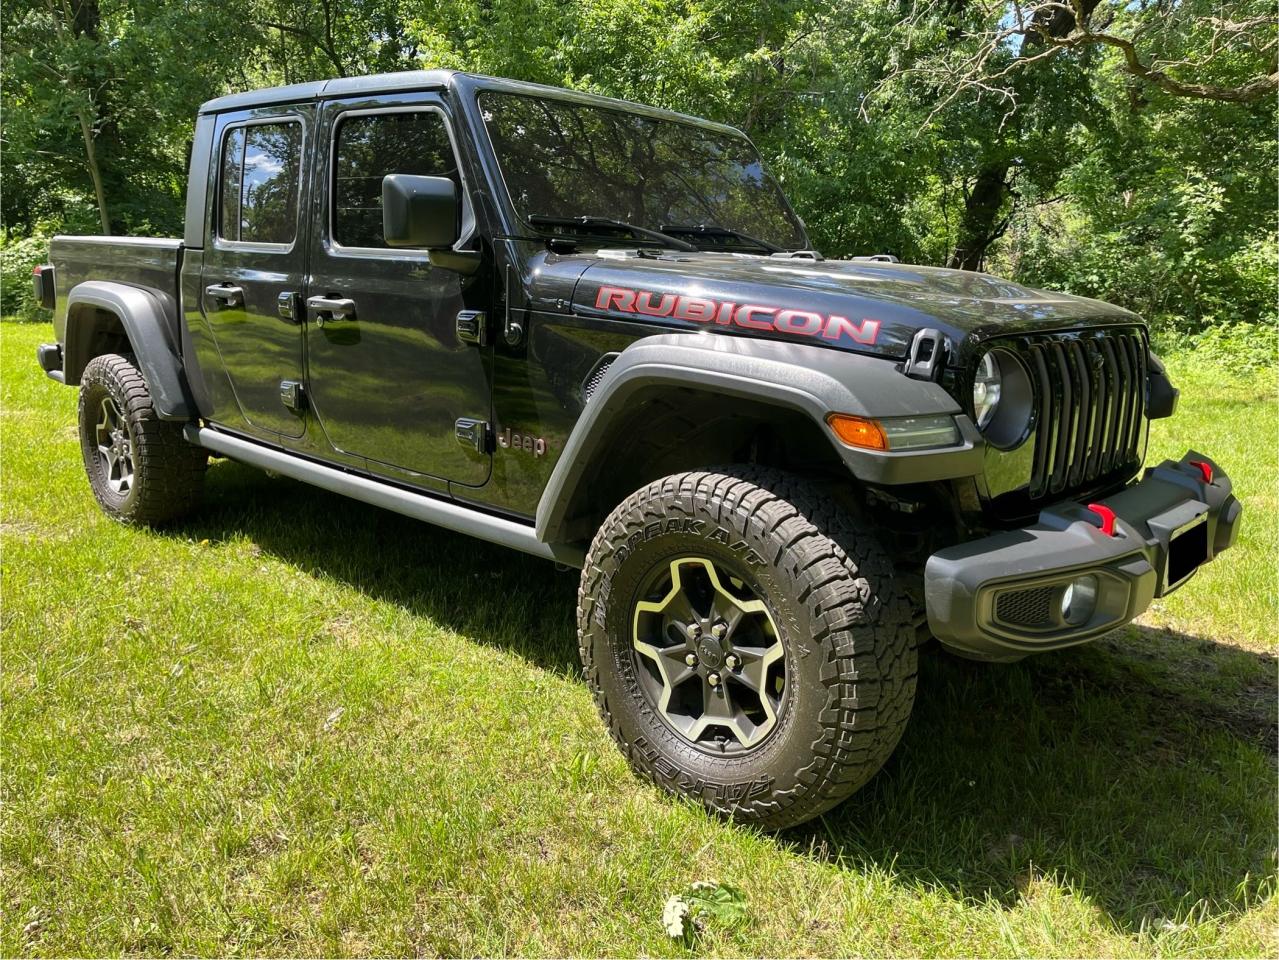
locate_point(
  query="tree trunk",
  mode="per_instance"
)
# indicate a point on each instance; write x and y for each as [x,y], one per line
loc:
[95,174]
[981,212]
[84,19]
[980,225]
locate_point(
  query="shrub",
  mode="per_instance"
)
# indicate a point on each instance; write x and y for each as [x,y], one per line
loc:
[1241,348]
[18,257]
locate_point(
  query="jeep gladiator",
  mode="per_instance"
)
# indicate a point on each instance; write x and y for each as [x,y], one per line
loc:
[596,332]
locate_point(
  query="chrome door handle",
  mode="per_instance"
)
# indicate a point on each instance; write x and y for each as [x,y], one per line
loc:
[331,308]
[224,293]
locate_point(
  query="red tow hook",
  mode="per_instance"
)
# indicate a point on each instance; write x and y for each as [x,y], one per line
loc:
[1106,516]
[1204,468]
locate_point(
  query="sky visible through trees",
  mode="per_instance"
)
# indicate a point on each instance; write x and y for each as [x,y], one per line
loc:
[1123,149]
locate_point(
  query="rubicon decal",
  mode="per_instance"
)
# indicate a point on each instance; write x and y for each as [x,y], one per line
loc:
[748,316]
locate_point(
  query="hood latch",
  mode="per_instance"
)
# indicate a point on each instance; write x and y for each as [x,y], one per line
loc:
[927,355]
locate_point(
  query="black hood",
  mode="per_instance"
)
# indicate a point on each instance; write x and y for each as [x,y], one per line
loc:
[867,306]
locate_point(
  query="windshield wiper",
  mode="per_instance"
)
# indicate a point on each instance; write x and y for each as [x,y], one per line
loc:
[550,220]
[712,230]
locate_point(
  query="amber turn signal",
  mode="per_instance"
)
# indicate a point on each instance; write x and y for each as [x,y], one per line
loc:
[858,431]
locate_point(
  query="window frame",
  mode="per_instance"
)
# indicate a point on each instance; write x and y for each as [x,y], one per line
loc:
[333,247]
[221,242]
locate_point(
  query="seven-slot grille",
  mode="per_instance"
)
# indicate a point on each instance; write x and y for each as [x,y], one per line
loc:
[1090,394]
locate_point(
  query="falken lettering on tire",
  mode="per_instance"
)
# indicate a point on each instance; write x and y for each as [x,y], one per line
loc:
[747,316]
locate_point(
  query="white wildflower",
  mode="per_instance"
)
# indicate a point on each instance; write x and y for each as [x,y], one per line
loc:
[675,916]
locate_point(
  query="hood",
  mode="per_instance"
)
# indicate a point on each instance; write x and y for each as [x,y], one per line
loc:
[867,306]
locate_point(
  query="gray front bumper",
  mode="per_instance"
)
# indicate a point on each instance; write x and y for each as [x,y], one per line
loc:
[998,598]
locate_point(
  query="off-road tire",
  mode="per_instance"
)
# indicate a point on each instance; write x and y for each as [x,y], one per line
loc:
[168,472]
[850,654]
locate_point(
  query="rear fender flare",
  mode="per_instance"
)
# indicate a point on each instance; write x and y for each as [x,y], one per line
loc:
[149,320]
[814,381]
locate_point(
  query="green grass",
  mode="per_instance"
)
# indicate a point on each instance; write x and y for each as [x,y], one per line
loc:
[298,725]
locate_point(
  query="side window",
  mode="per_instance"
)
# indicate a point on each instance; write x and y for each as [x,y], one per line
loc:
[261,166]
[371,146]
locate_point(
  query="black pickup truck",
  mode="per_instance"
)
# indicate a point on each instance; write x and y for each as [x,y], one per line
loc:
[596,332]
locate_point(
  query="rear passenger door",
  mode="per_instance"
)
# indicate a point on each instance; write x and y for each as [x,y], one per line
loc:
[255,260]
[388,377]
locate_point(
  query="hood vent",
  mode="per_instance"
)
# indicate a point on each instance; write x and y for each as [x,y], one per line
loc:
[592,381]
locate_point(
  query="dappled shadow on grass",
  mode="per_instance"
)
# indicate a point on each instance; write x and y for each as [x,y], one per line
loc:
[484,591]
[1148,786]
[1139,770]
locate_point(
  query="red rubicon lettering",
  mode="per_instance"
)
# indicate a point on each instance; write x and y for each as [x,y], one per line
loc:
[664,307]
[837,327]
[755,317]
[748,316]
[695,308]
[615,298]
[799,321]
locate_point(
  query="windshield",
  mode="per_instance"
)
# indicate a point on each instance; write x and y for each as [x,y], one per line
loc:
[562,159]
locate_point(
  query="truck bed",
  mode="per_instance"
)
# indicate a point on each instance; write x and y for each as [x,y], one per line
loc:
[140,261]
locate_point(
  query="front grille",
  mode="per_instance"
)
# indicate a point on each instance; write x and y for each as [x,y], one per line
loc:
[1090,392]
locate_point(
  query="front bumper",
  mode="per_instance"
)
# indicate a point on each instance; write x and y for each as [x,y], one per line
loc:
[1001,597]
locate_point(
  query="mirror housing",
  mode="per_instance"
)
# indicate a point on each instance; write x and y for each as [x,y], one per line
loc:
[420,211]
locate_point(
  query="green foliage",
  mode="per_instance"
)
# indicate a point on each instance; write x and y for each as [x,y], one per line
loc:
[1098,182]
[1244,350]
[702,904]
[18,257]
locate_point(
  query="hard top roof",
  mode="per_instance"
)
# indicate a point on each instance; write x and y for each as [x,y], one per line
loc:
[408,80]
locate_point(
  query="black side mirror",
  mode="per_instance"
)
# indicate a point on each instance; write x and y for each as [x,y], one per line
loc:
[420,211]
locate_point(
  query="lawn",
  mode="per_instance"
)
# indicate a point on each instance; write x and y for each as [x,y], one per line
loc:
[299,725]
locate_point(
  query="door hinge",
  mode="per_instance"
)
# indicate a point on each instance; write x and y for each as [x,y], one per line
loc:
[472,327]
[473,433]
[292,395]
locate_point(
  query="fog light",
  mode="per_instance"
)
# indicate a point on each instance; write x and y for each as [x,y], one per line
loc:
[1079,600]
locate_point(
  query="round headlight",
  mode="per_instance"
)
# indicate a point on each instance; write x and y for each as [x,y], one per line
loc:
[986,387]
[1002,399]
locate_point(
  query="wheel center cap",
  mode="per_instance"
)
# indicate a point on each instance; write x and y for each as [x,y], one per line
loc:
[709,652]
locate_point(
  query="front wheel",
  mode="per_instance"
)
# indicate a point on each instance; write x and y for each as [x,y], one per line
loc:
[746,644]
[140,467]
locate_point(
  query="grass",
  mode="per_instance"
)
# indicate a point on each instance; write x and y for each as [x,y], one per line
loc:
[297,725]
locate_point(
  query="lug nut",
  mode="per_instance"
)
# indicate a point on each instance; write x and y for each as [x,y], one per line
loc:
[690,659]
[720,629]
[713,679]
[732,661]
[694,629]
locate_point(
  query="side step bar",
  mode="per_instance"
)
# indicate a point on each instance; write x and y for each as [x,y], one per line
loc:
[442,513]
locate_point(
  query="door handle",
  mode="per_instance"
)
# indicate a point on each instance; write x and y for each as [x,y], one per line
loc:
[331,308]
[224,294]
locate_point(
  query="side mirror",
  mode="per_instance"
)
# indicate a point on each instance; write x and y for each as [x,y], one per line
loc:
[419,211]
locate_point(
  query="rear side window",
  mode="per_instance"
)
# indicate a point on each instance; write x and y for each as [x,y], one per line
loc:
[371,146]
[261,167]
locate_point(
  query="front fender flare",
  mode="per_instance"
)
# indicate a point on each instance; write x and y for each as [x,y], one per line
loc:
[813,380]
[149,319]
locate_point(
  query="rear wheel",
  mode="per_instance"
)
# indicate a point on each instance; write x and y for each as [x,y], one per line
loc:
[140,467]
[746,644]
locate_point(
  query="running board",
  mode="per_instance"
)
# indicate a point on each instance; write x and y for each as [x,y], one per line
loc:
[442,513]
